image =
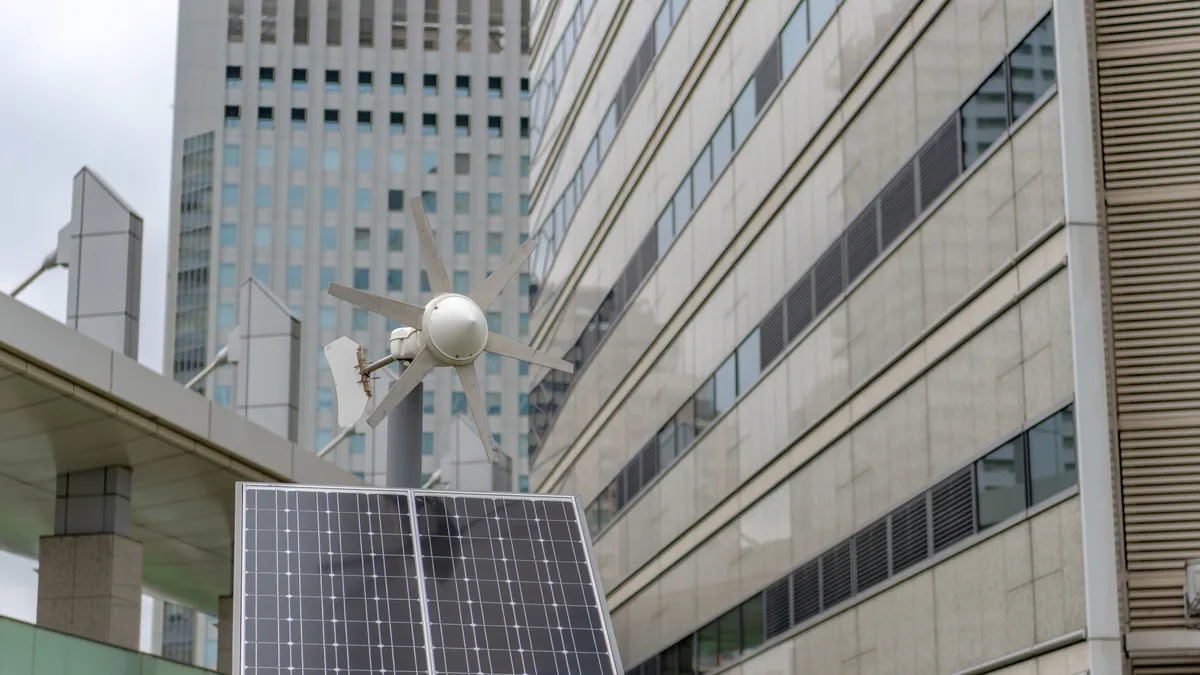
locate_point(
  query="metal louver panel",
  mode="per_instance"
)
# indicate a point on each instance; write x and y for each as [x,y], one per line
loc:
[910,534]
[633,480]
[897,205]
[829,276]
[837,574]
[806,592]
[766,78]
[777,607]
[871,555]
[1148,58]
[650,666]
[799,307]
[939,162]
[770,336]
[862,242]
[953,510]
[650,460]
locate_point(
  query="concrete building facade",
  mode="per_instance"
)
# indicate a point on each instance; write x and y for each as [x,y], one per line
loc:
[301,128]
[881,322]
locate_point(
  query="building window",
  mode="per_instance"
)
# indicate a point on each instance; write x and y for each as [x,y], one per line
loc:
[229,195]
[266,78]
[427,444]
[424,281]
[329,198]
[232,116]
[262,273]
[458,403]
[524,127]
[333,24]
[232,155]
[462,164]
[496,35]
[523,325]
[523,480]
[364,121]
[429,200]
[493,403]
[495,129]
[494,87]
[362,278]
[984,117]
[400,24]
[328,276]
[428,402]
[462,125]
[225,315]
[298,158]
[300,75]
[495,243]
[491,364]
[300,23]
[462,282]
[523,404]
[523,284]
[429,124]
[366,23]
[395,240]
[333,81]
[523,201]
[431,36]
[299,119]
[233,77]
[265,158]
[395,280]
[331,159]
[1052,460]
[227,275]
[429,84]
[495,204]
[228,234]
[323,438]
[1001,479]
[522,368]
[295,237]
[332,120]
[398,85]
[222,396]
[396,200]
[327,318]
[362,239]
[362,200]
[524,87]
[396,161]
[429,163]
[324,398]
[462,204]
[295,276]
[524,166]
[358,445]
[360,319]
[495,322]
[462,85]
[364,160]
[462,241]
[329,239]
[396,123]
[262,235]
[495,165]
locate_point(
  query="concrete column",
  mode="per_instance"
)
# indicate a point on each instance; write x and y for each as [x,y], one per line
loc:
[90,571]
[265,345]
[102,249]
[225,634]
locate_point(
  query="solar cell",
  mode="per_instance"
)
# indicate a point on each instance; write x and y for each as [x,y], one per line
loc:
[359,581]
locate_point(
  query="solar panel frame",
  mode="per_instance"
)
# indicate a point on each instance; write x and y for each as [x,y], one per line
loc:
[574,514]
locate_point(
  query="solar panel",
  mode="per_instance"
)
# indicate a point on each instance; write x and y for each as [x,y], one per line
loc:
[358,581]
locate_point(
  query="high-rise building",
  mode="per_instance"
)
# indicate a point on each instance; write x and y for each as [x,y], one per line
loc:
[183,634]
[856,291]
[302,128]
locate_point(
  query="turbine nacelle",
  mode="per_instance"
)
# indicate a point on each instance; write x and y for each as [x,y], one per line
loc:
[452,332]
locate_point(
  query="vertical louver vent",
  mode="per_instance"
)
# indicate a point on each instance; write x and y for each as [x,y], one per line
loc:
[871,555]
[939,162]
[770,336]
[829,276]
[837,574]
[953,510]
[633,479]
[766,78]
[910,534]
[650,460]
[862,242]
[897,205]
[777,607]
[799,307]
[806,592]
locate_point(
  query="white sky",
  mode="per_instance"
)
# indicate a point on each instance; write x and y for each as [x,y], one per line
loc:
[85,82]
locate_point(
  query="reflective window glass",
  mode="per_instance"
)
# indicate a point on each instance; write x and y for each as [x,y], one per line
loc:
[1052,461]
[1000,478]
[726,385]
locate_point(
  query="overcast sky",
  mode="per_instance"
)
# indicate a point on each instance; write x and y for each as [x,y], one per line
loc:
[86,82]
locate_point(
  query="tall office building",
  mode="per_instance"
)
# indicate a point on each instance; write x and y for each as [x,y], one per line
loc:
[302,128]
[183,634]
[884,320]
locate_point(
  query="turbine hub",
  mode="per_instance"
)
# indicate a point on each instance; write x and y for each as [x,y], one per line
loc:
[455,328]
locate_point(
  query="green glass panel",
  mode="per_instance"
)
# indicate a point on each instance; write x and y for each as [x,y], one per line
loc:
[16,646]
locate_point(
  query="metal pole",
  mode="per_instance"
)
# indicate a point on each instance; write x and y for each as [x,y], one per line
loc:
[404,439]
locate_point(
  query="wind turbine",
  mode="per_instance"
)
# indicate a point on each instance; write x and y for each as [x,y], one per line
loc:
[449,331]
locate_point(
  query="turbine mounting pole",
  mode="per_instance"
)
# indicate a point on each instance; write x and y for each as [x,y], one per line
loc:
[404,438]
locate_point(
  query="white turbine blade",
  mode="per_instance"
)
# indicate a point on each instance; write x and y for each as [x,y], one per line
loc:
[409,315]
[498,344]
[470,385]
[490,289]
[413,374]
[439,280]
[342,355]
